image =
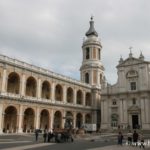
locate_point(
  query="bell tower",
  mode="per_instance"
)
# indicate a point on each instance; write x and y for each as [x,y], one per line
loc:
[92,70]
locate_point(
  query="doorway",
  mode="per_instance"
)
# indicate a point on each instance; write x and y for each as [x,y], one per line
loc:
[135,121]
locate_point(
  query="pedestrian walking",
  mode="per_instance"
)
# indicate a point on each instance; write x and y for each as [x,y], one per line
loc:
[141,137]
[135,138]
[120,138]
[45,136]
[36,135]
[129,136]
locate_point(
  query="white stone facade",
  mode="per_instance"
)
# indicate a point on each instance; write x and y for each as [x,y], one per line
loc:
[126,104]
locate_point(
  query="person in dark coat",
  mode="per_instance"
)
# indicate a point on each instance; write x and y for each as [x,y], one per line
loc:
[36,135]
[45,136]
[120,138]
[129,136]
[135,138]
[141,138]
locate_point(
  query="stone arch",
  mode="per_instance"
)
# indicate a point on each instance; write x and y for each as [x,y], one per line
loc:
[79,97]
[28,120]
[87,77]
[70,95]
[31,86]
[88,118]
[88,99]
[13,83]
[45,90]
[44,119]
[10,120]
[69,120]
[79,120]
[57,120]
[58,93]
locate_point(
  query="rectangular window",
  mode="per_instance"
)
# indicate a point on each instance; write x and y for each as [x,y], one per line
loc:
[87,53]
[133,101]
[133,86]
[114,103]
[99,54]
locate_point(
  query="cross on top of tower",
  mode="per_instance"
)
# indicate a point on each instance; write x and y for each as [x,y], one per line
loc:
[130,54]
[130,48]
[92,17]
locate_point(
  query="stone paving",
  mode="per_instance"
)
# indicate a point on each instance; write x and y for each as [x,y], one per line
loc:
[27,142]
[118,147]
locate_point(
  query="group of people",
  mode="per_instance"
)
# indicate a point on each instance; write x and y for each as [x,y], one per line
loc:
[133,139]
[57,137]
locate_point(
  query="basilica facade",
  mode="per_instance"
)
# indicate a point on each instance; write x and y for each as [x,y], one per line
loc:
[126,104]
[36,98]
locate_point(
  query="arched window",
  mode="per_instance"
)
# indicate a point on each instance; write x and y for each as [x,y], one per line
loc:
[10,119]
[31,86]
[79,120]
[46,90]
[28,121]
[13,83]
[44,119]
[88,101]
[58,93]
[88,118]
[87,78]
[69,120]
[79,97]
[69,95]
[57,119]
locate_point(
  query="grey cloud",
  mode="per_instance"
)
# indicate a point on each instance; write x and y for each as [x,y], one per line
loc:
[52,31]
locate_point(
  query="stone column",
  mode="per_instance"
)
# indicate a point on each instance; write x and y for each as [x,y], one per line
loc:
[74,96]
[37,118]
[91,77]
[74,120]
[98,78]
[63,119]
[102,111]
[147,110]
[23,85]
[1,118]
[106,112]
[143,116]
[53,91]
[51,119]
[125,112]
[83,118]
[20,119]
[64,93]
[39,88]
[4,80]
[94,117]
[121,111]
[84,98]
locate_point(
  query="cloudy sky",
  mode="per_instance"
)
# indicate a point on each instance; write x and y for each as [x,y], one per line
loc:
[49,33]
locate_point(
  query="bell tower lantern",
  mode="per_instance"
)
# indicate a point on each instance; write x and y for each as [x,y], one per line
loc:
[92,70]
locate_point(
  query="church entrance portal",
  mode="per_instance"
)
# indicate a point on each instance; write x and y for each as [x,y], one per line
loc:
[135,121]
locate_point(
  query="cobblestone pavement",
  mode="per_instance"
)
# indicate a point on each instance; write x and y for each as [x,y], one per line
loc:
[83,142]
